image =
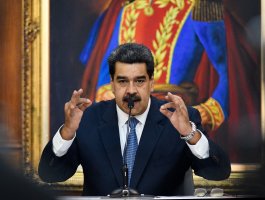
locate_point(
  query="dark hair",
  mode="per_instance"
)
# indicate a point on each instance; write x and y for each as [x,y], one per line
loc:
[131,53]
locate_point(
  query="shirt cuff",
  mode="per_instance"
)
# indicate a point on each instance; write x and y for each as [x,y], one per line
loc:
[61,146]
[201,148]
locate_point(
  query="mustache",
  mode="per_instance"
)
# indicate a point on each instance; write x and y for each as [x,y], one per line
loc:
[133,97]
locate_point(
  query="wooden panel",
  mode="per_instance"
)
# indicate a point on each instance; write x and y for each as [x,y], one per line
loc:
[10,76]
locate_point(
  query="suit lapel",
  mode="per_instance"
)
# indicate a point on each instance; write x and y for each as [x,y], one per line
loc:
[109,133]
[152,130]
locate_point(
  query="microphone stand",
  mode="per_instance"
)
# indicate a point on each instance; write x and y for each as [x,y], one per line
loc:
[125,191]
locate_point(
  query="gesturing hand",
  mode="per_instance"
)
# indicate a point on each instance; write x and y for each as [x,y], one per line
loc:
[178,115]
[73,111]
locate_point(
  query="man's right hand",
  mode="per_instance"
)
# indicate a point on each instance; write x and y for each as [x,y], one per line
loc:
[73,111]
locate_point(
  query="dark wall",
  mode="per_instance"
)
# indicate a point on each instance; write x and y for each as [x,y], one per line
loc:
[71,22]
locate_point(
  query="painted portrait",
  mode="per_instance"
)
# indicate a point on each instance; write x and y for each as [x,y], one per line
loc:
[206,51]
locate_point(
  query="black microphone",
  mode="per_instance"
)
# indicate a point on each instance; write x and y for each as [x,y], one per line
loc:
[125,191]
[130,104]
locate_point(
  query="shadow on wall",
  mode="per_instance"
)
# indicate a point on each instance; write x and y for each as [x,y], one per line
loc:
[13,184]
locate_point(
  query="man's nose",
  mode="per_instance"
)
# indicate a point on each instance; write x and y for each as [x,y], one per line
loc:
[131,88]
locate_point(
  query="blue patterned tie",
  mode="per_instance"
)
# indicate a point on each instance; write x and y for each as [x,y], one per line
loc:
[132,145]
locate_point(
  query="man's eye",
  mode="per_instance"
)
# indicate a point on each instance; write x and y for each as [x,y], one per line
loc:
[122,81]
[140,81]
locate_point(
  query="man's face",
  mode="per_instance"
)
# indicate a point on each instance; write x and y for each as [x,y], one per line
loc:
[132,79]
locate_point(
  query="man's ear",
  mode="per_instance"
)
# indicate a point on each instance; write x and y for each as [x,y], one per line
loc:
[152,83]
[112,85]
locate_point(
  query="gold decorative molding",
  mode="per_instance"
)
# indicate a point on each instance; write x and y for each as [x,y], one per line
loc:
[263,78]
[31,31]
[30,69]
[26,90]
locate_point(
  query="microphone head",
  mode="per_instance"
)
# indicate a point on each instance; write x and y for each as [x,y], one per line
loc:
[130,102]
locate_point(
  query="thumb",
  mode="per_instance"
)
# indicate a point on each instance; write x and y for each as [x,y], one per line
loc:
[166,112]
[85,105]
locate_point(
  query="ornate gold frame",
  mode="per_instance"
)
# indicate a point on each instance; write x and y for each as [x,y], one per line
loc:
[35,103]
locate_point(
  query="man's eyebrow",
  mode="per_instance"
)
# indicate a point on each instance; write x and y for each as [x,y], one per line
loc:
[125,77]
[141,77]
[122,77]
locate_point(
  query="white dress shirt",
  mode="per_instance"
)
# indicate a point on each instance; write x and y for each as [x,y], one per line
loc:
[61,146]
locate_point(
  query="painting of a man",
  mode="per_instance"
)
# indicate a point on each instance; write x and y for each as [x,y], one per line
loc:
[198,55]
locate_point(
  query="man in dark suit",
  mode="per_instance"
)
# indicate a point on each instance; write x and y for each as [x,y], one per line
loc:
[169,135]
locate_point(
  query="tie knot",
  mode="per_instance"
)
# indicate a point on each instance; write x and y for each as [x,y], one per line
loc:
[133,122]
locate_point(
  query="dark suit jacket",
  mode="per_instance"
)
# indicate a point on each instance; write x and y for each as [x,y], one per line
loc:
[161,160]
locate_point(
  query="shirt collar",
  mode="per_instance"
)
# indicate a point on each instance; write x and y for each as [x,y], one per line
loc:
[123,117]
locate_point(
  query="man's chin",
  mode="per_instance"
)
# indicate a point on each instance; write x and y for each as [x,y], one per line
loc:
[134,110]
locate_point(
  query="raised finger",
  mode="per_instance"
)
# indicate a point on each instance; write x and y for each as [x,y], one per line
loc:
[178,101]
[173,98]
[83,103]
[181,101]
[75,98]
